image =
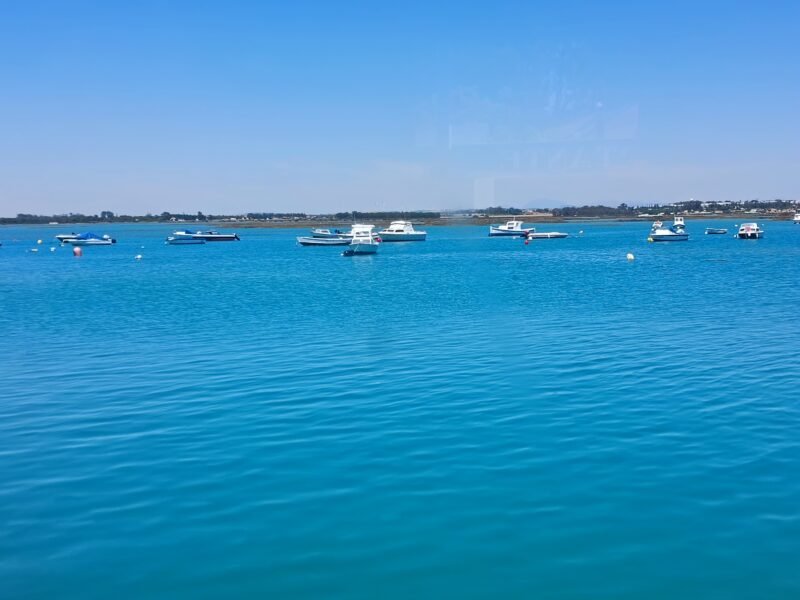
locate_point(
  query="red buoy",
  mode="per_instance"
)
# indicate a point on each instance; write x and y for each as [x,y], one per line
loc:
[77,251]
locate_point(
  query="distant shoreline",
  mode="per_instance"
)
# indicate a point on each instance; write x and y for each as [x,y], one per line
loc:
[304,223]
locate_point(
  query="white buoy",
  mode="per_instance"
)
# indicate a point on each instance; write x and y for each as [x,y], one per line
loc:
[138,257]
[38,241]
[580,232]
[630,256]
[77,251]
[34,249]
[52,249]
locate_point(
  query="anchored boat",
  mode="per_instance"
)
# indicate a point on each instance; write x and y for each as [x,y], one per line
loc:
[750,231]
[362,242]
[321,241]
[675,233]
[183,241]
[402,231]
[208,236]
[544,235]
[90,239]
[715,231]
[327,233]
[511,228]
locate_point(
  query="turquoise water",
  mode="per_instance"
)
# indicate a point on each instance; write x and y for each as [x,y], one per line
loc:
[465,417]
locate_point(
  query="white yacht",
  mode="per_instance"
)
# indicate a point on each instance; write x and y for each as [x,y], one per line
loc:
[750,231]
[512,227]
[674,233]
[402,231]
[796,219]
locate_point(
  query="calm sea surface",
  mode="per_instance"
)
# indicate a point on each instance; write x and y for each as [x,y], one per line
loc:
[464,417]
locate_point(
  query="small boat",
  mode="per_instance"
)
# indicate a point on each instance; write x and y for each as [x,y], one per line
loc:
[317,241]
[63,237]
[544,235]
[208,236]
[183,241]
[402,231]
[796,219]
[90,239]
[750,231]
[715,231]
[362,242]
[510,228]
[675,233]
[328,233]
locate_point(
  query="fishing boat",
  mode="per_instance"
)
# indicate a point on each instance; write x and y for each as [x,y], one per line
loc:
[362,242]
[544,235]
[327,233]
[510,228]
[183,241]
[317,241]
[715,231]
[675,233]
[208,236]
[750,231]
[402,231]
[90,239]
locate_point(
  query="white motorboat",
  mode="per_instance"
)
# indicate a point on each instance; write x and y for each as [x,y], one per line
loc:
[183,241]
[321,241]
[675,233]
[208,236]
[512,227]
[402,231]
[328,233]
[716,231]
[796,219]
[750,231]
[90,239]
[63,237]
[362,242]
[544,235]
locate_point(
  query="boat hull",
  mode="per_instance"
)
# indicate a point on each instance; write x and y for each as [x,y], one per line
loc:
[360,249]
[183,241]
[90,242]
[714,231]
[750,236]
[671,237]
[546,235]
[208,237]
[402,237]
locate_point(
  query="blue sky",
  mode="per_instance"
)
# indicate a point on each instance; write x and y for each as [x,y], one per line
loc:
[319,107]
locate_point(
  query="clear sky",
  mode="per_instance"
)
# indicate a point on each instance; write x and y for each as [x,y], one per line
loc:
[232,106]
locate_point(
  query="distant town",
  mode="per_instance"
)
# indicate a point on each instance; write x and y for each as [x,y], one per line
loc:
[768,209]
